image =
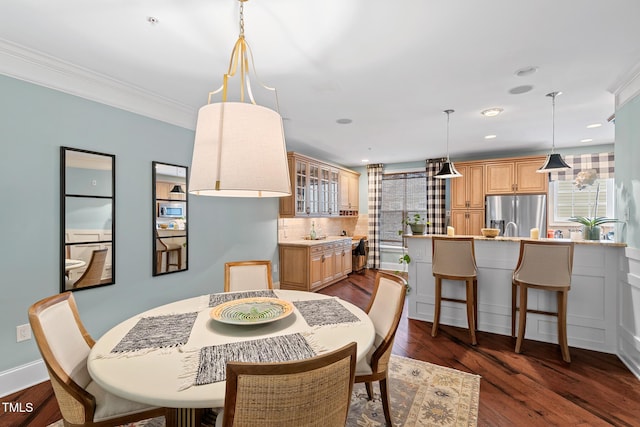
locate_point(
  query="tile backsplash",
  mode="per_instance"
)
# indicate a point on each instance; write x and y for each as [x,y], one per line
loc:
[298,228]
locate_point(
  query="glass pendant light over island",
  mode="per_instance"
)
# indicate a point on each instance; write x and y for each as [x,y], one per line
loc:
[239,148]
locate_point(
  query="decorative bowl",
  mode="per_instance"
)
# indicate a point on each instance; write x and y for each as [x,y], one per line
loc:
[251,311]
[490,232]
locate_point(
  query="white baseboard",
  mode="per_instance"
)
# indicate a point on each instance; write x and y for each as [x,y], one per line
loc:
[22,377]
[393,266]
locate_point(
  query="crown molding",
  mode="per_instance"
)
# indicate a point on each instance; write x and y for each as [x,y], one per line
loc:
[627,87]
[44,70]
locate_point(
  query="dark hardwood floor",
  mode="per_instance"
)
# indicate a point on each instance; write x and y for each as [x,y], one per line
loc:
[535,388]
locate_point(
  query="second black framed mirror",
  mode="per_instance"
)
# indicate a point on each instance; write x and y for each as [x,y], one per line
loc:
[170,218]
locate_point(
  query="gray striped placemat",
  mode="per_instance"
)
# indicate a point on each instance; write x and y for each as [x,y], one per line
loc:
[217,299]
[212,361]
[155,332]
[324,312]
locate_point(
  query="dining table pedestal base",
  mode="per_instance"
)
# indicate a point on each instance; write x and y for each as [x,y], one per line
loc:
[185,417]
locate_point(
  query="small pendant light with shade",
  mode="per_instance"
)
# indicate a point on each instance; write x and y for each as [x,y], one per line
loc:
[554,162]
[448,169]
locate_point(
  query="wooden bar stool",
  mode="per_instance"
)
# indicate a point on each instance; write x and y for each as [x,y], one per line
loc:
[547,266]
[454,259]
[164,250]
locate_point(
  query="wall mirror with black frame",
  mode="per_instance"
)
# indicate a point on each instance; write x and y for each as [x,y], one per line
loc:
[170,225]
[87,219]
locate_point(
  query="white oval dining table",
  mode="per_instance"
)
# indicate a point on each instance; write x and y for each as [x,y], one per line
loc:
[156,377]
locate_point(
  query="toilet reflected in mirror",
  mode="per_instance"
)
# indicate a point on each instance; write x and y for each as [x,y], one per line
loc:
[170,213]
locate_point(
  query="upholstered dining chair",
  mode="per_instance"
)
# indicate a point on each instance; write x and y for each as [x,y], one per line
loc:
[247,275]
[93,273]
[454,259]
[312,392]
[385,310]
[547,266]
[64,344]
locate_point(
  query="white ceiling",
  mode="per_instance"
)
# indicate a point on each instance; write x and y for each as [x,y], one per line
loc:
[391,67]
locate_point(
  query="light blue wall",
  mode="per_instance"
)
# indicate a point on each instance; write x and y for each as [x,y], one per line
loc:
[34,123]
[628,170]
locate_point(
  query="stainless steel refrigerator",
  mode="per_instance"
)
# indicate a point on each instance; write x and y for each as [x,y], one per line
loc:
[516,215]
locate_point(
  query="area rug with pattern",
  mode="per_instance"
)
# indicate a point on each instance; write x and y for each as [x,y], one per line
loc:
[422,394]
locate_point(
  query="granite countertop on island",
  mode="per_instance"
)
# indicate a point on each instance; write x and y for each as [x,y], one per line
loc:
[517,239]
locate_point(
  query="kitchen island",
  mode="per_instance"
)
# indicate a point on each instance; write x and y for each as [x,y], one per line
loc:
[592,305]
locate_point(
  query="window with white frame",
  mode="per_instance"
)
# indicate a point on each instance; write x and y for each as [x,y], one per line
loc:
[403,194]
[567,200]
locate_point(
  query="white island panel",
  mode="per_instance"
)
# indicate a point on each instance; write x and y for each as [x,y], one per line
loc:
[591,316]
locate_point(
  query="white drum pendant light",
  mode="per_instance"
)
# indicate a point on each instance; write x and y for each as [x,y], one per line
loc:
[239,148]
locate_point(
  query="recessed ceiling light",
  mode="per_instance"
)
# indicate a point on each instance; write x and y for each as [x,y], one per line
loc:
[586,140]
[152,20]
[594,125]
[344,121]
[526,71]
[520,89]
[490,136]
[491,112]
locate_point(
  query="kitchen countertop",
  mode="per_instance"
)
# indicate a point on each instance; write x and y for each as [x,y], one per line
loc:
[303,242]
[517,239]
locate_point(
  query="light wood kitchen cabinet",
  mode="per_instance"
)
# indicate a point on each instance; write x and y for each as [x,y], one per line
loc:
[467,199]
[467,221]
[467,192]
[163,191]
[317,188]
[347,266]
[309,267]
[349,192]
[519,176]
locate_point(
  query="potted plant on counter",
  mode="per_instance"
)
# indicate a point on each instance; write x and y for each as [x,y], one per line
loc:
[417,223]
[591,224]
[591,230]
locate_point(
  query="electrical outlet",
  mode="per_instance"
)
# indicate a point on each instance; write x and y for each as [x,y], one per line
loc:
[274,267]
[23,332]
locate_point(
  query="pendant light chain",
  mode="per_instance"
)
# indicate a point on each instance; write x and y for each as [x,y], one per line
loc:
[242,18]
[448,113]
[553,121]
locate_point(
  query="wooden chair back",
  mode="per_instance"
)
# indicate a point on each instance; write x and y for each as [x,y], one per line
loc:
[64,344]
[385,311]
[310,392]
[247,275]
[93,274]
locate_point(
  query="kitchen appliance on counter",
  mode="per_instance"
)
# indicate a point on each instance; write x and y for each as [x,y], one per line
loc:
[516,215]
[359,253]
[172,210]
